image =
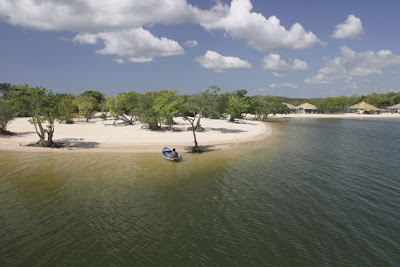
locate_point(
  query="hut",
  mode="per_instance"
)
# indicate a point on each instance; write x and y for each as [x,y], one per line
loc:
[394,109]
[293,109]
[307,108]
[363,108]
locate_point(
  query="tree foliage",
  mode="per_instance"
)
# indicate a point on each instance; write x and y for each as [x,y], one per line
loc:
[86,105]
[123,105]
[42,106]
[100,98]
[238,104]
[7,114]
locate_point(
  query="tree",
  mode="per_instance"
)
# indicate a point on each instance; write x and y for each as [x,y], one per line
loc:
[5,89]
[100,98]
[190,109]
[123,105]
[66,107]
[167,104]
[86,105]
[155,108]
[238,104]
[272,105]
[7,114]
[43,106]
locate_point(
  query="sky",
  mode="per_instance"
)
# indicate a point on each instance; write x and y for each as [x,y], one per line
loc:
[292,48]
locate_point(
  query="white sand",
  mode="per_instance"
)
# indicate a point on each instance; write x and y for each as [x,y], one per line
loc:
[102,136]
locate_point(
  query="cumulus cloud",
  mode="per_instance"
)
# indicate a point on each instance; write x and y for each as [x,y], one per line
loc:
[351,29]
[101,15]
[191,43]
[219,63]
[280,75]
[118,23]
[287,85]
[137,45]
[274,62]
[111,22]
[259,32]
[352,65]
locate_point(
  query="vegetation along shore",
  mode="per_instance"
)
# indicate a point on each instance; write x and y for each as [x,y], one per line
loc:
[35,116]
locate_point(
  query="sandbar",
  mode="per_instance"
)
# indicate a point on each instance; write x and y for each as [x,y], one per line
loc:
[99,135]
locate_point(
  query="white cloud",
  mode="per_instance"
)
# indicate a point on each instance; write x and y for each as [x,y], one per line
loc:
[351,29]
[118,23]
[259,32]
[288,85]
[137,45]
[274,62]
[280,75]
[85,38]
[101,15]
[318,79]
[119,60]
[352,65]
[219,63]
[191,43]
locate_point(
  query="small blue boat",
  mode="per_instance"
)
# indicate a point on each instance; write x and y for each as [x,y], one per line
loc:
[166,153]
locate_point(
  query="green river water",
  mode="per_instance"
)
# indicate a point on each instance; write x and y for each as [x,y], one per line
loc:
[320,192]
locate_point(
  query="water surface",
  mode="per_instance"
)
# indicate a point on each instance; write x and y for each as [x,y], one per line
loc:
[318,192]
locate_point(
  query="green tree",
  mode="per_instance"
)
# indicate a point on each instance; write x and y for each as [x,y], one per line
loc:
[123,105]
[192,105]
[167,104]
[43,106]
[7,114]
[147,114]
[67,108]
[86,105]
[272,105]
[5,90]
[238,104]
[100,98]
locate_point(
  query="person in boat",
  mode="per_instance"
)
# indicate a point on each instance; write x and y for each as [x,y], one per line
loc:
[174,154]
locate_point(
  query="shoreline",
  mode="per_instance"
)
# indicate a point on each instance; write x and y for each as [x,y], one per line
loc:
[101,136]
[335,116]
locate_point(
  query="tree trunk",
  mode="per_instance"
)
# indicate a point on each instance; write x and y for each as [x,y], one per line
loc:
[196,147]
[126,120]
[198,120]
[50,134]
[42,132]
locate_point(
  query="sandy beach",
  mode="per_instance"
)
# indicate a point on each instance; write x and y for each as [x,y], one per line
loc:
[99,135]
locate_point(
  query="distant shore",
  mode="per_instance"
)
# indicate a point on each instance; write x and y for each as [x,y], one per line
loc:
[99,135]
[337,115]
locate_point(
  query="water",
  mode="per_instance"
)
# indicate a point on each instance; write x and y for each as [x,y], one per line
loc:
[318,192]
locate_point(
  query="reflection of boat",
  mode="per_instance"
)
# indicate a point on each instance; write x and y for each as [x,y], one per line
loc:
[166,153]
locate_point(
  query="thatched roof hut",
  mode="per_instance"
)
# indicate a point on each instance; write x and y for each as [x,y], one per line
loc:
[307,106]
[394,106]
[364,106]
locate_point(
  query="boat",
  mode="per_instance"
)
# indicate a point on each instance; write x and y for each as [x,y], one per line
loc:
[166,153]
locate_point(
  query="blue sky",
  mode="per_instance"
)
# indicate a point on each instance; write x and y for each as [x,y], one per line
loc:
[294,48]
